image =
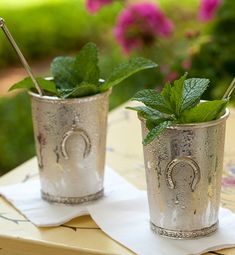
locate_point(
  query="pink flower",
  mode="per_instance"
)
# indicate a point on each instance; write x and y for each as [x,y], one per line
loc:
[186,64]
[140,24]
[171,76]
[208,9]
[94,5]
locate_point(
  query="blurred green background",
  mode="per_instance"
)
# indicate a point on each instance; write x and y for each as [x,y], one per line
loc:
[48,28]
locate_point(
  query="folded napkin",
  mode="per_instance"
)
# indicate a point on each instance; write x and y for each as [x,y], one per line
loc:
[128,223]
[26,198]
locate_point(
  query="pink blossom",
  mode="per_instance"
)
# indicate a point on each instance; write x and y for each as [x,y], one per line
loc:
[94,5]
[187,63]
[208,9]
[140,24]
[171,76]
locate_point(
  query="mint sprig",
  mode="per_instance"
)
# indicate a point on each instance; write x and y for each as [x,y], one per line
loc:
[27,83]
[80,76]
[156,131]
[64,73]
[86,64]
[203,112]
[153,99]
[124,70]
[176,104]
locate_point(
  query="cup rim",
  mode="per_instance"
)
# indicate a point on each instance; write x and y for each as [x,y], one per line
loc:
[202,124]
[199,124]
[69,100]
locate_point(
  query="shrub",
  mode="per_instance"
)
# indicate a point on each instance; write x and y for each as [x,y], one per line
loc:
[216,58]
[53,28]
[16,132]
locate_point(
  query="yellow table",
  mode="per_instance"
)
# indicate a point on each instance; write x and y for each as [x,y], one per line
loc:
[81,235]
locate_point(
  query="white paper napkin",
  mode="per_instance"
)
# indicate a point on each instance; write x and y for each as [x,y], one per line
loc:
[26,198]
[128,223]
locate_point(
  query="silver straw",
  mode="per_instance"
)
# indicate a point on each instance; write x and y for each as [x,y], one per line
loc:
[230,89]
[20,55]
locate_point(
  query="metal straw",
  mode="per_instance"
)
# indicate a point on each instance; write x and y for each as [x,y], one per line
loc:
[230,89]
[20,55]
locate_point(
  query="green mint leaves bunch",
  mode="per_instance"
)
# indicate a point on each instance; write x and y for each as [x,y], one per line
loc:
[176,104]
[80,76]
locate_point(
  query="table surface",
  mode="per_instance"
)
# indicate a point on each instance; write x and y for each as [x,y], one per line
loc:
[81,235]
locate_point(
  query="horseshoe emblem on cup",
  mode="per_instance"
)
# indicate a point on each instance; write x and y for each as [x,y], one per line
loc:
[81,133]
[185,160]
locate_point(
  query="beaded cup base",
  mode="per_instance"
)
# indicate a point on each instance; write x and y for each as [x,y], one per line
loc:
[71,200]
[179,234]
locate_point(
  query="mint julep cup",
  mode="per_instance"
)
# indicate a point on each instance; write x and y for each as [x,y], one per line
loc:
[183,172]
[70,136]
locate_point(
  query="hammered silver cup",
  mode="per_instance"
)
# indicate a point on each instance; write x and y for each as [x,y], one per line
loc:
[183,173]
[70,136]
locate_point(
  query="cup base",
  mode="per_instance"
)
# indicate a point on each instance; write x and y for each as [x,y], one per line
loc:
[182,234]
[71,200]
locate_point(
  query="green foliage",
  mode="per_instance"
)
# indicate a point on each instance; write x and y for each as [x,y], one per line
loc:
[80,76]
[204,111]
[124,70]
[64,72]
[149,113]
[86,64]
[215,58]
[156,131]
[184,94]
[53,28]
[81,90]
[176,104]
[173,95]
[152,99]
[77,76]
[16,132]
[27,83]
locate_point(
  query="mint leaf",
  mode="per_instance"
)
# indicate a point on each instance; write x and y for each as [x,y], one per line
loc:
[177,92]
[82,90]
[184,94]
[177,103]
[152,116]
[152,99]
[27,83]
[173,94]
[166,94]
[65,73]
[124,70]
[69,71]
[152,123]
[193,90]
[146,112]
[80,76]
[205,111]
[156,131]
[86,64]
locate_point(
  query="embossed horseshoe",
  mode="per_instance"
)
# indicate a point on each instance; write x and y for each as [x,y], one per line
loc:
[85,137]
[186,160]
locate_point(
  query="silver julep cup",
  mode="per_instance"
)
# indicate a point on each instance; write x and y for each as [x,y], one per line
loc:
[70,136]
[183,172]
